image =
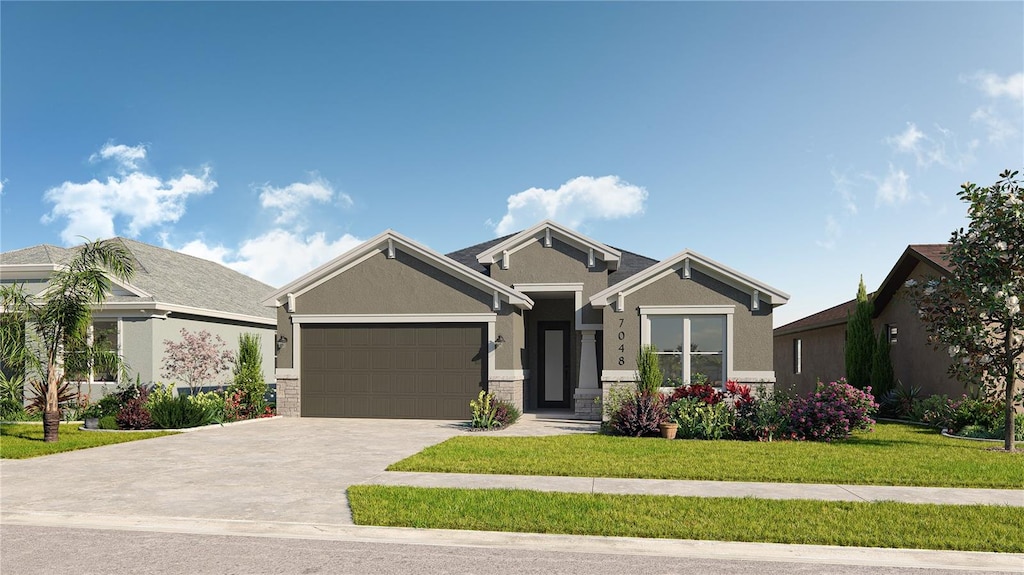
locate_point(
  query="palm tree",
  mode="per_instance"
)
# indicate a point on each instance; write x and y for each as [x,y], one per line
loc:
[59,317]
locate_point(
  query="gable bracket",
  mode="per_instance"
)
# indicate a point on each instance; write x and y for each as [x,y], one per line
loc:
[755,300]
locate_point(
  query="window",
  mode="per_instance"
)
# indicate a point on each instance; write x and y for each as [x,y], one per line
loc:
[104,340]
[890,328]
[798,359]
[703,337]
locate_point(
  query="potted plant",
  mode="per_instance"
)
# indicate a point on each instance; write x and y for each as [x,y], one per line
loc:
[668,429]
[92,415]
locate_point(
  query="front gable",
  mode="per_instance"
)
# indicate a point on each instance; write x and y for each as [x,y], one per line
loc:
[547,233]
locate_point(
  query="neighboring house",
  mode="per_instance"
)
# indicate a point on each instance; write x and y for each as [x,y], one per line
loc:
[168,292]
[813,348]
[543,318]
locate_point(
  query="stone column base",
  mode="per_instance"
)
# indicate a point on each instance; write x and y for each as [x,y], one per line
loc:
[588,403]
[508,390]
[288,397]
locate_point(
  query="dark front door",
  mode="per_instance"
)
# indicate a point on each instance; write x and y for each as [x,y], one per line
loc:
[553,364]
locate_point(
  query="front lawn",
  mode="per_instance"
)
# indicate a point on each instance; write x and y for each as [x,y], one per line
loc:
[893,454]
[882,524]
[21,441]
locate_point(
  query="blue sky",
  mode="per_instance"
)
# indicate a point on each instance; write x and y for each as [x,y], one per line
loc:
[803,144]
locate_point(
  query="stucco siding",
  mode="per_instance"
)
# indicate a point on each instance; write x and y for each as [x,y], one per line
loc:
[509,325]
[391,286]
[914,361]
[284,327]
[137,348]
[822,358]
[561,263]
[752,330]
[170,329]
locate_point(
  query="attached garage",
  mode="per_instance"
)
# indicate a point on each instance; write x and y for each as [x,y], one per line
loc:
[411,371]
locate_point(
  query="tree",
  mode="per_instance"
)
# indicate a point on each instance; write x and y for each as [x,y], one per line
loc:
[860,340]
[974,312]
[881,366]
[59,318]
[197,359]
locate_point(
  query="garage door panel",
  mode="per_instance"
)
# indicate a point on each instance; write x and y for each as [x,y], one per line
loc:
[399,371]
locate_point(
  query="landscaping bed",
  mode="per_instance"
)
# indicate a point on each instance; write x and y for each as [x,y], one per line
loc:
[862,524]
[892,454]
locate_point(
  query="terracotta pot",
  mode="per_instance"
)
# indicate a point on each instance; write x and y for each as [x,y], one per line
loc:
[668,430]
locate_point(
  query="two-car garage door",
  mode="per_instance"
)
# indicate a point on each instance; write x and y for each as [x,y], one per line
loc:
[423,371]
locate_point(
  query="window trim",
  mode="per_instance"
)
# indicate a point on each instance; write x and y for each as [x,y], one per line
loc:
[688,310]
[798,356]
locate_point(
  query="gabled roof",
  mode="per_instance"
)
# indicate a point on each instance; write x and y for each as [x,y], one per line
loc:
[835,315]
[164,280]
[704,264]
[388,241]
[547,228]
[932,255]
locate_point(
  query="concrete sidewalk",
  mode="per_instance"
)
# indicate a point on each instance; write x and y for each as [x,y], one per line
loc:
[947,495]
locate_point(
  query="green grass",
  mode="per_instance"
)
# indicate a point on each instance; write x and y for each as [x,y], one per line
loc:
[883,524]
[893,454]
[21,441]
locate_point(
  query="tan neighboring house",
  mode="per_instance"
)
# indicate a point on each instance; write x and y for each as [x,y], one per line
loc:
[168,292]
[545,318]
[813,348]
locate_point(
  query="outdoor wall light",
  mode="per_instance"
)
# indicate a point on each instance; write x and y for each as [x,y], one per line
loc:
[280,341]
[498,341]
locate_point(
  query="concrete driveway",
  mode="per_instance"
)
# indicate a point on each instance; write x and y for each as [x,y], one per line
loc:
[287,469]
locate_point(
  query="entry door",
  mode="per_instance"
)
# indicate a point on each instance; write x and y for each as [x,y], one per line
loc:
[553,363]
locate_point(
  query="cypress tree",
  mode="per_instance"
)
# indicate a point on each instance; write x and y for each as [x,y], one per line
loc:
[881,367]
[860,340]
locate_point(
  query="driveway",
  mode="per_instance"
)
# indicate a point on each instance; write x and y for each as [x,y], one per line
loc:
[287,469]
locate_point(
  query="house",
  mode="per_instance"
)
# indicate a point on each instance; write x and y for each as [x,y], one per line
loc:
[813,348]
[545,318]
[168,292]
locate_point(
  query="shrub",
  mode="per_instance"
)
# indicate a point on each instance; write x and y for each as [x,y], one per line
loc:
[899,401]
[698,419]
[639,415]
[11,410]
[210,400]
[108,422]
[505,414]
[249,375]
[648,372]
[483,411]
[832,411]
[133,413]
[702,391]
[179,412]
[761,418]
[969,411]
[617,395]
[933,410]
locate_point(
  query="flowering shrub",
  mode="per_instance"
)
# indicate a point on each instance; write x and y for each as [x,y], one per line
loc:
[133,413]
[505,413]
[832,411]
[639,415]
[702,391]
[761,417]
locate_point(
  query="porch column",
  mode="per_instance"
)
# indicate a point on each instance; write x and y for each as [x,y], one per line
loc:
[587,393]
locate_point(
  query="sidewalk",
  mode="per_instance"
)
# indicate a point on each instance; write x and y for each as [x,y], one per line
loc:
[943,495]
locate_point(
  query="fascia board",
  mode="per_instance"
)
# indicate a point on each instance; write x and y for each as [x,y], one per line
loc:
[718,271]
[581,242]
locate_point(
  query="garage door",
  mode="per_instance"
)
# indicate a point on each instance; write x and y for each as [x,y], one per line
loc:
[423,371]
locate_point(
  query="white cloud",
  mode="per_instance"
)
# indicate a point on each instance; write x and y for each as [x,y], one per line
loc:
[833,231]
[275,257]
[144,200]
[291,200]
[999,128]
[894,189]
[575,202]
[844,187]
[996,86]
[128,157]
[940,148]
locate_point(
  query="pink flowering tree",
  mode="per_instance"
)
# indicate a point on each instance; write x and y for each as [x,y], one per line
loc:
[198,359]
[974,312]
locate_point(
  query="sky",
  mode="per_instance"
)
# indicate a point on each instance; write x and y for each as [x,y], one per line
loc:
[803,144]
